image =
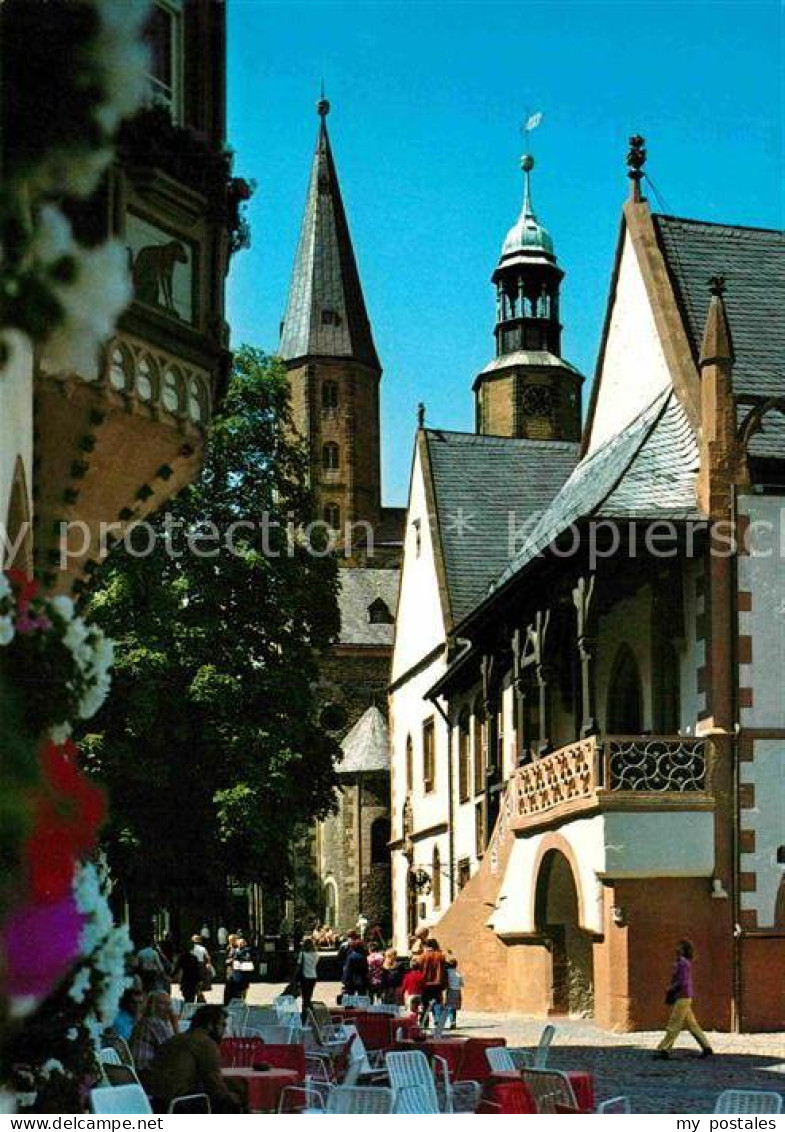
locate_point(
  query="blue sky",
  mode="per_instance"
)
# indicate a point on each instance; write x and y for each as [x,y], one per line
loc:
[427,104]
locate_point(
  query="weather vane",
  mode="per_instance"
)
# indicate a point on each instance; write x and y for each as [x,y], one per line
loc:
[531,122]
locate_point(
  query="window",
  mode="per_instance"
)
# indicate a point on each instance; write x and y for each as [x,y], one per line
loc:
[380,836]
[333,717]
[479,754]
[464,872]
[331,457]
[625,695]
[500,734]
[436,882]
[409,764]
[429,755]
[464,756]
[163,36]
[379,613]
[330,317]
[332,515]
[479,830]
[330,395]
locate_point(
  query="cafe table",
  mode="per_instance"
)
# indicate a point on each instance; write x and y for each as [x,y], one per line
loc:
[582,1085]
[263,1087]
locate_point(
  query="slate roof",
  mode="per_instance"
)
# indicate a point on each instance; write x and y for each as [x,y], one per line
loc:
[366,747]
[359,587]
[326,315]
[752,260]
[648,471]
[481,484]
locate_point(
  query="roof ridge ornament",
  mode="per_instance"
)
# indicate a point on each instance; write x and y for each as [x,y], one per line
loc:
[636,159]
[322,106]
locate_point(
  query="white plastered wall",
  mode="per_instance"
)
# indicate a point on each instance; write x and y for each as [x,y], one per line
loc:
[766,819]
[16,420]
[634,368]
[612,846]
[420,630]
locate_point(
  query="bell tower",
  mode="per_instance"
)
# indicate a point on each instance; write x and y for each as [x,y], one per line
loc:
[528,390]
[327,345]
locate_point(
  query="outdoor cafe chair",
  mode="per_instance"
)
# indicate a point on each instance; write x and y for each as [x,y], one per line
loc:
[190,1104]
[540,1057]
[110,1056]
[615,1104]
[354,1099]
[748,1100]
[412,1081]
[549,1087]
[303,1099]
[130,1100]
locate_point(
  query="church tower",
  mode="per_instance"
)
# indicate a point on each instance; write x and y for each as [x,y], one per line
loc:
[528,390]
[327,345]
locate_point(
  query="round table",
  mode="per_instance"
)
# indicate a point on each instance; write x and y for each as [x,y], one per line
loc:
[263,1087]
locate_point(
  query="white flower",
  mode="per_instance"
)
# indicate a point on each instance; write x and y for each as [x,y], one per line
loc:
[91,304]
[7,1103]
[60,732]
[5,587]
[80,985]
[64,606]
[72,1034]
[75,636]
[19,1006]
[52,1066]
[26,1100]
[123,58]
[6,630]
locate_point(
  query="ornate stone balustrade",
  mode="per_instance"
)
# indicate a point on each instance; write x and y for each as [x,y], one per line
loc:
[566,776]
[655,764]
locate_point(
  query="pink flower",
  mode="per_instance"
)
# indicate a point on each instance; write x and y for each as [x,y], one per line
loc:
[40,941]
[25,624]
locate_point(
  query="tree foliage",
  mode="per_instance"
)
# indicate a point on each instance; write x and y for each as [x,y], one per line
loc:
[209,743]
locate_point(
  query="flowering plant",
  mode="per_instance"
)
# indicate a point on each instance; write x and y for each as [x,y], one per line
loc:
[61,662]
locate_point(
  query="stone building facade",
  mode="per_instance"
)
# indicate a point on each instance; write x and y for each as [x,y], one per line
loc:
[587,725]
[334,374]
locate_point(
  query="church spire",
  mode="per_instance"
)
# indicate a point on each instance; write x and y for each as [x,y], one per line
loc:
[326,315]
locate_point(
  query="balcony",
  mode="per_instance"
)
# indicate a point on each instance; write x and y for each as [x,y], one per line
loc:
[110,451]
[617,772]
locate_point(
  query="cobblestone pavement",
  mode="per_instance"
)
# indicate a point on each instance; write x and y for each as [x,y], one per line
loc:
[623,1063]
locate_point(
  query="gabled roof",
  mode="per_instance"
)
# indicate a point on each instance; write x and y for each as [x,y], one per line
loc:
[482,484]
[326,315]
[366,747]
[648,471]
[752,261]
[359,587]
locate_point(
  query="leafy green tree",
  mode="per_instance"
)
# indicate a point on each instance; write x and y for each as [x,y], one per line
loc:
[209,744]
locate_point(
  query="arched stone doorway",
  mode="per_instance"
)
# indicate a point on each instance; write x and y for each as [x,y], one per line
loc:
[558,921]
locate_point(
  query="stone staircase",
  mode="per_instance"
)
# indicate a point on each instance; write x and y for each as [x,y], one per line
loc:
[482,956]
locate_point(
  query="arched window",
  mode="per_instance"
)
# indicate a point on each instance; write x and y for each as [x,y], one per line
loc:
[380,836]
[331,457]
[624,715]
[332,515]
[379,613]
[464,756]
[479,753]
[436,880]
[330,395]
[330,903]
[409,763]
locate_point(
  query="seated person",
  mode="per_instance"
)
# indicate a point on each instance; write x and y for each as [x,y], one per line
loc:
[157,1025]
[190,1063]
[128,1014]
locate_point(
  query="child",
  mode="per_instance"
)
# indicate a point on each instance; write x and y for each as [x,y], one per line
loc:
[454,985]
[412,986]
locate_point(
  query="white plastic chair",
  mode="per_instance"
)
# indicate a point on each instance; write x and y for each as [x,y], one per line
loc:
[302,1099]
[499,1059]
[748,1100]
[615,1104]
[128,1100]
[110,1056]
[549,1087]
[540,1058]
[360,1099]
[177,1103]
[412,1081]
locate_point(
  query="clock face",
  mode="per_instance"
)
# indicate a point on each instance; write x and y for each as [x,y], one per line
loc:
[538,401]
